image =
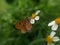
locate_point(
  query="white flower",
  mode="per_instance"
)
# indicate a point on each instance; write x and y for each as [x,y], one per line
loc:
[34,17]
[54,24]
[52,38]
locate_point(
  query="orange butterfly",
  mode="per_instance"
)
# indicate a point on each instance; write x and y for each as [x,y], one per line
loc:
[24,25]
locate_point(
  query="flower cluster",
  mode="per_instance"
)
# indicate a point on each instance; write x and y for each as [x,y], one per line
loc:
[52,38]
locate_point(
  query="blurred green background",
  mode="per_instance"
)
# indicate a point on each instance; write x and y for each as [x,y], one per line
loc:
[12,11]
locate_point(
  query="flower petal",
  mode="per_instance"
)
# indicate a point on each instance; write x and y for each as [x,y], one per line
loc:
[51,23]
[56,39]
[54,27]
[37,18]
[32,21]
[52,34]
[50,44]
[37,12]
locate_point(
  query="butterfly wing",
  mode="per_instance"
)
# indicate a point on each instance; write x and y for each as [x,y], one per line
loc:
[18,25]
[23,28]
[28,25]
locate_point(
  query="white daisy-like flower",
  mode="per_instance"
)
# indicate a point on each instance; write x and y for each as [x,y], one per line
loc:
[34,17]
[52,38]
[54,24]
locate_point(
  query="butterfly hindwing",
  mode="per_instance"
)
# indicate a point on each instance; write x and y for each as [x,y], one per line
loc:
[28,25]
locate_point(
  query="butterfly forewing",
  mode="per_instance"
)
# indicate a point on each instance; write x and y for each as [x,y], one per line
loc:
[18,25]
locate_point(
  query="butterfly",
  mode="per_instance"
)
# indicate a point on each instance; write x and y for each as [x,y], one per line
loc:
[24,25]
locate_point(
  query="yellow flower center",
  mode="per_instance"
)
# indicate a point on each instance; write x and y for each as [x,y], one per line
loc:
[57,21]
[49,39]
[33,16]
